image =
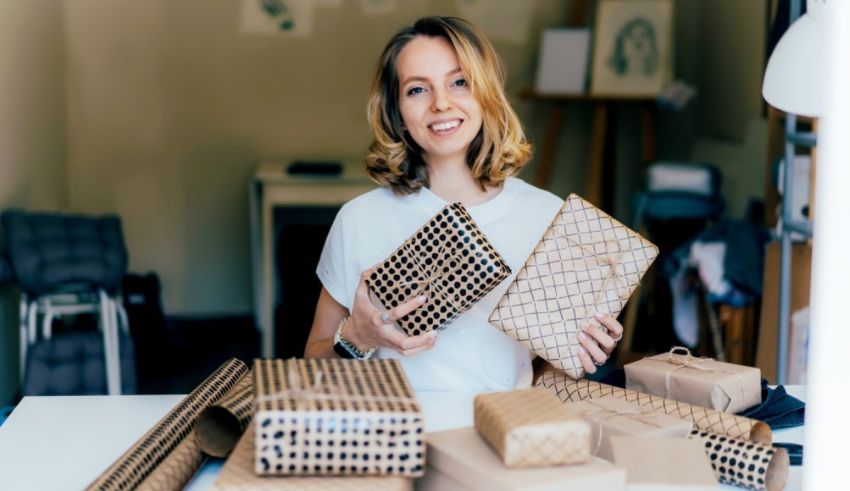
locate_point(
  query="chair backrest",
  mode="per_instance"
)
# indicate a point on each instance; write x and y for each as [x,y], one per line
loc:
[681,190]
[51,252]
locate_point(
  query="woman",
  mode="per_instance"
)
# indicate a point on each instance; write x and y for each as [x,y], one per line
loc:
[444,133]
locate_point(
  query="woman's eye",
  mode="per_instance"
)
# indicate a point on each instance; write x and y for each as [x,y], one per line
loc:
[461,82]
[415,90]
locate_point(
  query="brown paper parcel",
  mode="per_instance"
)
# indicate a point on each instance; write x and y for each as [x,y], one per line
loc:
[586,263]
[663,464]
[460,459]
[449,260]
[530,428]
[566,389]
[237,474]
[609,417]
[705,382]
[336,417]
[743,463]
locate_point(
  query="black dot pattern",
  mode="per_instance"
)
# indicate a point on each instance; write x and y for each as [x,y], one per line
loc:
[569,390]
[743,463]
[355,418]
[587,262]
[156,445]
[449,260]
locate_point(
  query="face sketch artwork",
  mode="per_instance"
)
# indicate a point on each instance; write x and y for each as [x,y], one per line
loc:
[635,51]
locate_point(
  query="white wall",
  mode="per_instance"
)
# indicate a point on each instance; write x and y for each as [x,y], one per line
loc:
[32,135]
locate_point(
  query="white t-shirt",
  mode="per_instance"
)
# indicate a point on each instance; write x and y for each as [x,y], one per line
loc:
[470,355]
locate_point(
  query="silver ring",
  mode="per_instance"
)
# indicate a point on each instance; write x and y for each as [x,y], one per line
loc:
[385,317]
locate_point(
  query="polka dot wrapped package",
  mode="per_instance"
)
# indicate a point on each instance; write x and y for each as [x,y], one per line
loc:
[585,263]
[333,417]
[449,260]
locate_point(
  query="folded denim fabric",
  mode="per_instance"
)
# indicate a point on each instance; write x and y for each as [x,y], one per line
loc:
[777,409]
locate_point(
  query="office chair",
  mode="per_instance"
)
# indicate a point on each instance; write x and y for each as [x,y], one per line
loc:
[66,265]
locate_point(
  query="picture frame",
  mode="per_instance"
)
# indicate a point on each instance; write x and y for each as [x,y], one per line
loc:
[563,64]
[632,48]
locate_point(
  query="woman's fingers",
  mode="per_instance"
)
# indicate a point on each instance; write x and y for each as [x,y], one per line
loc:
[593,349]
[402,343]
[429,345]
[602,339]
[406,308]
[586,362]
[615,329]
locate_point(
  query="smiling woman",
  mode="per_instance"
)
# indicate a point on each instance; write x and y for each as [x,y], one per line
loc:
[444,133]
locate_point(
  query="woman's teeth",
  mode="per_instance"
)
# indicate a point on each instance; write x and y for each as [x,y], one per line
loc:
[445,126]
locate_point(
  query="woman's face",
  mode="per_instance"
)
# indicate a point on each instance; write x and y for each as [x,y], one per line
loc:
[435,100]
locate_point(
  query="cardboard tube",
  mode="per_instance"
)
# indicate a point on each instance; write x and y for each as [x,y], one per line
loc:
[567,389]
[219,427]
[745,463]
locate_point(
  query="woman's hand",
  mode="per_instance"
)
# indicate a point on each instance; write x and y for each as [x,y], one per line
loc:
[597,343]
[370,327]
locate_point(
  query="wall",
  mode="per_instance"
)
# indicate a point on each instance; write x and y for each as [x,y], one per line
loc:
[32,135]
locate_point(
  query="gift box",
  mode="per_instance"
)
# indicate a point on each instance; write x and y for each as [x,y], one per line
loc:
[460,460]
[336,417]
[237,474]
[659,464]
[530,428]
[702,381]
[610,417]
[586,263]
[449,260]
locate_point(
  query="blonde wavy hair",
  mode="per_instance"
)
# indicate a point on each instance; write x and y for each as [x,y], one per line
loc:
[499,150]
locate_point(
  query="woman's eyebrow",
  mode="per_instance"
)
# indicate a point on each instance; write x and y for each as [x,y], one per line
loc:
[418,78]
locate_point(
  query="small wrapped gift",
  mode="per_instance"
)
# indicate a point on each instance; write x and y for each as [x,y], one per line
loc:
[530,428]
[659,464]
[336,417]
[702,381]
[609,417]
[460,460]
[586,263]
[449,260]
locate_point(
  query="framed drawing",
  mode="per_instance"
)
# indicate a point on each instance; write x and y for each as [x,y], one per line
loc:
[632,52]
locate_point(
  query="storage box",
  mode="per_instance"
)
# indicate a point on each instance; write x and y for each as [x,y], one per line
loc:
[530,428]
[460,460]
[449,260]
[586,263]
[336,417]
[701,381]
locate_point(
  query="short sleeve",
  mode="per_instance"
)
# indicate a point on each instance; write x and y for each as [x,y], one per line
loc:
[332,267]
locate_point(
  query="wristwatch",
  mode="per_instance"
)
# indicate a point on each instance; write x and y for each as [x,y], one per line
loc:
[346,349]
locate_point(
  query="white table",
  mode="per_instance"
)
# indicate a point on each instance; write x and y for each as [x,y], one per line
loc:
[272,188]
[64,443]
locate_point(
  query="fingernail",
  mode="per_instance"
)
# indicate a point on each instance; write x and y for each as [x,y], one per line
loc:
[582,350]
[586,327]
[599,316]
[582,335]
[422,298]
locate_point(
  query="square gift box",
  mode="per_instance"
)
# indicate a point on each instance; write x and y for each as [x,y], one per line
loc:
[336,417]
[664,464]
[586,263]
[449,260]
[609,417]
[703,382]
[531,428]
[460,460]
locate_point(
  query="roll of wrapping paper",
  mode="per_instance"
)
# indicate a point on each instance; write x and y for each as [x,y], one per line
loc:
[745,463]
[567,389]
[151,450]
[219,427]
[237,474]
[177,469]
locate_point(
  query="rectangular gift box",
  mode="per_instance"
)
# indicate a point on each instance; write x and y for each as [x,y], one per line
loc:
[586,263]
[336,417]
[449,260]
[531,428]
[609,417]
[664,464]
[460,460]
[704,382]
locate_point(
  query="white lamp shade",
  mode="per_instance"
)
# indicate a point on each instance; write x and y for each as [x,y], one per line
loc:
[793,81]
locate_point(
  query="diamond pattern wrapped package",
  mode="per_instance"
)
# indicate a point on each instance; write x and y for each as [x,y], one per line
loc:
[530,428]
[449,260]
[334,417]
[586,263]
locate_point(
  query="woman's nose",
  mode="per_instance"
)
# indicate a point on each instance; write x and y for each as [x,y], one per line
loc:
[441,100]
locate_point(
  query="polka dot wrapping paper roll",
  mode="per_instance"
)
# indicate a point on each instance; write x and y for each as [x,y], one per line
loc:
[334,417]
[585,263]
[744,463]
[449,260]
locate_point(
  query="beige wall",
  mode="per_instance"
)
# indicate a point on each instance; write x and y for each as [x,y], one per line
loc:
[32,134]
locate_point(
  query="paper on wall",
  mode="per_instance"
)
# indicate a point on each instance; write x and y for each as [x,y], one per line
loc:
[288,17]
[505,21]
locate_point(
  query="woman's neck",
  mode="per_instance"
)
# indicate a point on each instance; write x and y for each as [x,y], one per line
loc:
[453,182]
